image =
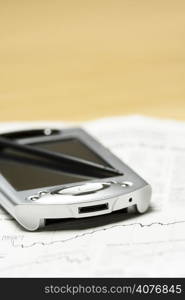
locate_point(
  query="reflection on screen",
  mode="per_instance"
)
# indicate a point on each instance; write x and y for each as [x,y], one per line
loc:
[23,176]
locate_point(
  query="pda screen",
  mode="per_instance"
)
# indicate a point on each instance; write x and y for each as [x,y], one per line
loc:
[23,173]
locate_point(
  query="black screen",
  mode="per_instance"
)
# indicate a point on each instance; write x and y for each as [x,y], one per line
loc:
[23,174]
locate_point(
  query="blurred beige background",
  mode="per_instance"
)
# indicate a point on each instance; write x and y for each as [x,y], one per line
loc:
[77,60]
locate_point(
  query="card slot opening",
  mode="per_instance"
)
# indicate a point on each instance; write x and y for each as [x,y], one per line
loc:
[93,208]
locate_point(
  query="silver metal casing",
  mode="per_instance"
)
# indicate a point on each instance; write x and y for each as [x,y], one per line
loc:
[31,208]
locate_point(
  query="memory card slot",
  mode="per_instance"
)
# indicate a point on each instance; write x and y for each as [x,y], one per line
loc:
[93,208]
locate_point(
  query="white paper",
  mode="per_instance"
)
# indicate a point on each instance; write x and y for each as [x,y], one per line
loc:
[125,245]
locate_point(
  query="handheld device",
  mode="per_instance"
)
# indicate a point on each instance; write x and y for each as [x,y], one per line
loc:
[35,190]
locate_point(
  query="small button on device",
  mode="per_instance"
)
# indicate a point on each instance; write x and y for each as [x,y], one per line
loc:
[37,196]
[33,198]
[126,184]
[42,193]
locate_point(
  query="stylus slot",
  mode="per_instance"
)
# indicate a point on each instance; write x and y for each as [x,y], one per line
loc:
[93,208]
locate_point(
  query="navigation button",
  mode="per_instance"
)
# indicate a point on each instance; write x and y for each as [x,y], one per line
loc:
[82,189]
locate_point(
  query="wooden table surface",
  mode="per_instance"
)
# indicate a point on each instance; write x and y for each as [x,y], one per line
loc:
[77,60]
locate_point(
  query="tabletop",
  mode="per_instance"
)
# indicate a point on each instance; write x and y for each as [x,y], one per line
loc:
[79,60]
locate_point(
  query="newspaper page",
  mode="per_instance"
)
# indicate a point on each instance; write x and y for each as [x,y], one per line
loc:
[118,244]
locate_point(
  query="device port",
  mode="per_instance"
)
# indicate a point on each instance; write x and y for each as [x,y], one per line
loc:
[93,208]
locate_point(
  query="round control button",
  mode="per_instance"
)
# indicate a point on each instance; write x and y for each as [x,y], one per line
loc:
[126,184]
[33,198]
